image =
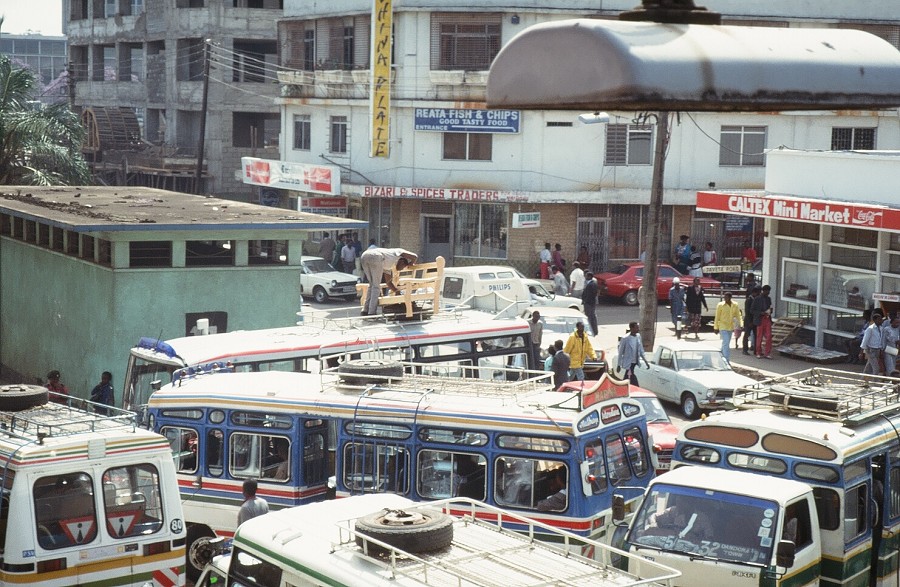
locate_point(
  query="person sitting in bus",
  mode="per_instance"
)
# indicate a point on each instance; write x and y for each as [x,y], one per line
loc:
[282,472]
[559,496]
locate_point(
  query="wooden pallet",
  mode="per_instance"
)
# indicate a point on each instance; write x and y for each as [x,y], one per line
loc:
[783,329]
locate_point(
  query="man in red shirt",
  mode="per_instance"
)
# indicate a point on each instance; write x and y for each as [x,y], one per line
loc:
[749,254]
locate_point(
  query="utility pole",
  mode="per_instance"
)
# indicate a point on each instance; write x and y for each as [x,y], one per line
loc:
[70,82]
[680,13]
[201,144]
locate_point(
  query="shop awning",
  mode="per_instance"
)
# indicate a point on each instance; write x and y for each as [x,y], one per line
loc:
[589,64]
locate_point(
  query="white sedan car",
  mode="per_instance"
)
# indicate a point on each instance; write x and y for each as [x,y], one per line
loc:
[321,281]
[693,375]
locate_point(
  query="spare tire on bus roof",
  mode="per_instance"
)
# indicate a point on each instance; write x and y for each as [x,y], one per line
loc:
[369,371]
[413,531]
[14,398]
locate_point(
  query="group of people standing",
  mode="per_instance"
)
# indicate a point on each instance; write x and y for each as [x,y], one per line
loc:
[344,252]
[102,395]
[878,344]
[567,360]
[688,260]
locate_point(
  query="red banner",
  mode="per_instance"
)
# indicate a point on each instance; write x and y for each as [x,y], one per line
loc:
[801,210]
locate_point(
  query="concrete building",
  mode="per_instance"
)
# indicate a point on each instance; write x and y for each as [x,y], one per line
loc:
[45,56]
[86,272]
[139,71]
[832,225]
[454,179]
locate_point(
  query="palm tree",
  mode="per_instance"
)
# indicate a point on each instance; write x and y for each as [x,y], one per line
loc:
[37,146]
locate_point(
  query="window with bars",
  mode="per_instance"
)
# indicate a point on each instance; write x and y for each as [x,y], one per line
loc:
[302,128]
[481,230]
[209,254]
[468,42]
[850,139]
[742,146]
[629,144]
[150,254]
[461,146]
[341,46]
[338,135]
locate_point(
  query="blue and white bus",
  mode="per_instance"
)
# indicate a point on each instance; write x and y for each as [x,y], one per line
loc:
[512,444]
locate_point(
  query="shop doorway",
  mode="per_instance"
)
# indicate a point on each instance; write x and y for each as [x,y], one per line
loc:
[704,230]
[436,230]
[593,233]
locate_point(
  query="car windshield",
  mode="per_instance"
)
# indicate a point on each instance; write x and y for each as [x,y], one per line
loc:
[318,266]
[701,360]
[713,524]
[654,409]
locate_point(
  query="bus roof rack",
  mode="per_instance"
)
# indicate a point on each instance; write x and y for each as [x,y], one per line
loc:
[498,543]
[56,420]
[849,398]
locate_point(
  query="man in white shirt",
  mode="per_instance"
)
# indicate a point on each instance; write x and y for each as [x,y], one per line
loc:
[631,351]
[891,333]
[873,346]
[576,280]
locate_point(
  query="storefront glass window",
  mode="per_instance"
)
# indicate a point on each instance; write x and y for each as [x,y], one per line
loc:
[805,311]
[845,288]
[890,284]
[481,230]
[893,263]
[798,250]
[800,281]
[854,236]
[805,230]
[894,243]
[846,321]
[853,256]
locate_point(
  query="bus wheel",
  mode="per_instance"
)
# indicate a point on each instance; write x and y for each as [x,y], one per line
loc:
[367,371]
[197,557]
[408,531]
[14,398]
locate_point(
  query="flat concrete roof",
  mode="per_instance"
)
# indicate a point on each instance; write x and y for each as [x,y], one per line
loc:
[124,208]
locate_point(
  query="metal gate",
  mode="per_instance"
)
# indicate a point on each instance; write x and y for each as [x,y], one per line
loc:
[593,233]
[711,230]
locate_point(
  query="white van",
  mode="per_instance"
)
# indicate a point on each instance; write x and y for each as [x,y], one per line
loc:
[466,285]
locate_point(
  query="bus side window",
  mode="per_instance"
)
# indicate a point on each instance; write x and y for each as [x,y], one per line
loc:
[797,526]
[215,448]
[184,447]
[314,459]
[856,520]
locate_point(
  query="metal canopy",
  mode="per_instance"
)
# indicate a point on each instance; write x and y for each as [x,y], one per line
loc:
[585,64]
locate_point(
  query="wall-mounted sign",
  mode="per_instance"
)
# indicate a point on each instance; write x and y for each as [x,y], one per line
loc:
[455,194]
[326,206]
[526,219]
[380,98]
[468,120]
[801,209]
[320,179]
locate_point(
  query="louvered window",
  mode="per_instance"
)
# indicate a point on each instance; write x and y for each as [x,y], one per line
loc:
[464,41]
[629,144]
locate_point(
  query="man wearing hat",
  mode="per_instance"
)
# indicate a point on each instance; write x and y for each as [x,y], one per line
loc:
[60,392]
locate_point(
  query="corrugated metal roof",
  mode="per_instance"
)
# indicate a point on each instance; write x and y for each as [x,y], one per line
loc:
[613,65]
[125,208]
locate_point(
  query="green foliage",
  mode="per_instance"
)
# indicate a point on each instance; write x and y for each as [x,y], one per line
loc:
[37,147]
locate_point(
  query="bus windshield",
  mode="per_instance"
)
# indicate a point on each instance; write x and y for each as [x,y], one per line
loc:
[712,524]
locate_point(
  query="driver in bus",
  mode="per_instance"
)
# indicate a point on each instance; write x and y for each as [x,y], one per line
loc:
[559,496]
[683,519]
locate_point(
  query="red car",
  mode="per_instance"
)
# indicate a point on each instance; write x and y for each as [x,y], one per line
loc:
[623,282]
[660,427]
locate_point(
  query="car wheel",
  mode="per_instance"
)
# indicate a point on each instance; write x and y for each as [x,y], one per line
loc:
[630,298]
[320,295]
[689,408]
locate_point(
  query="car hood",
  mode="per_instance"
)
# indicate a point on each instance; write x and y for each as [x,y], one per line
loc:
[718,379]
[663,433]
[339,276]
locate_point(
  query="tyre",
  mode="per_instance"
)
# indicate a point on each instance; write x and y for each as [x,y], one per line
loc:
[420,531]
[809,397]
[197,553]
[689,408]
[369,371]
[319,294]
[14,398]
[630,298]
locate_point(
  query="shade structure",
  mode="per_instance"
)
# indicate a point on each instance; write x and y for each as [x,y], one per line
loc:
[588,64]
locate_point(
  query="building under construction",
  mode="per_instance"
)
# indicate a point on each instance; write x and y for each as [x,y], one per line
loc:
[160,83]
